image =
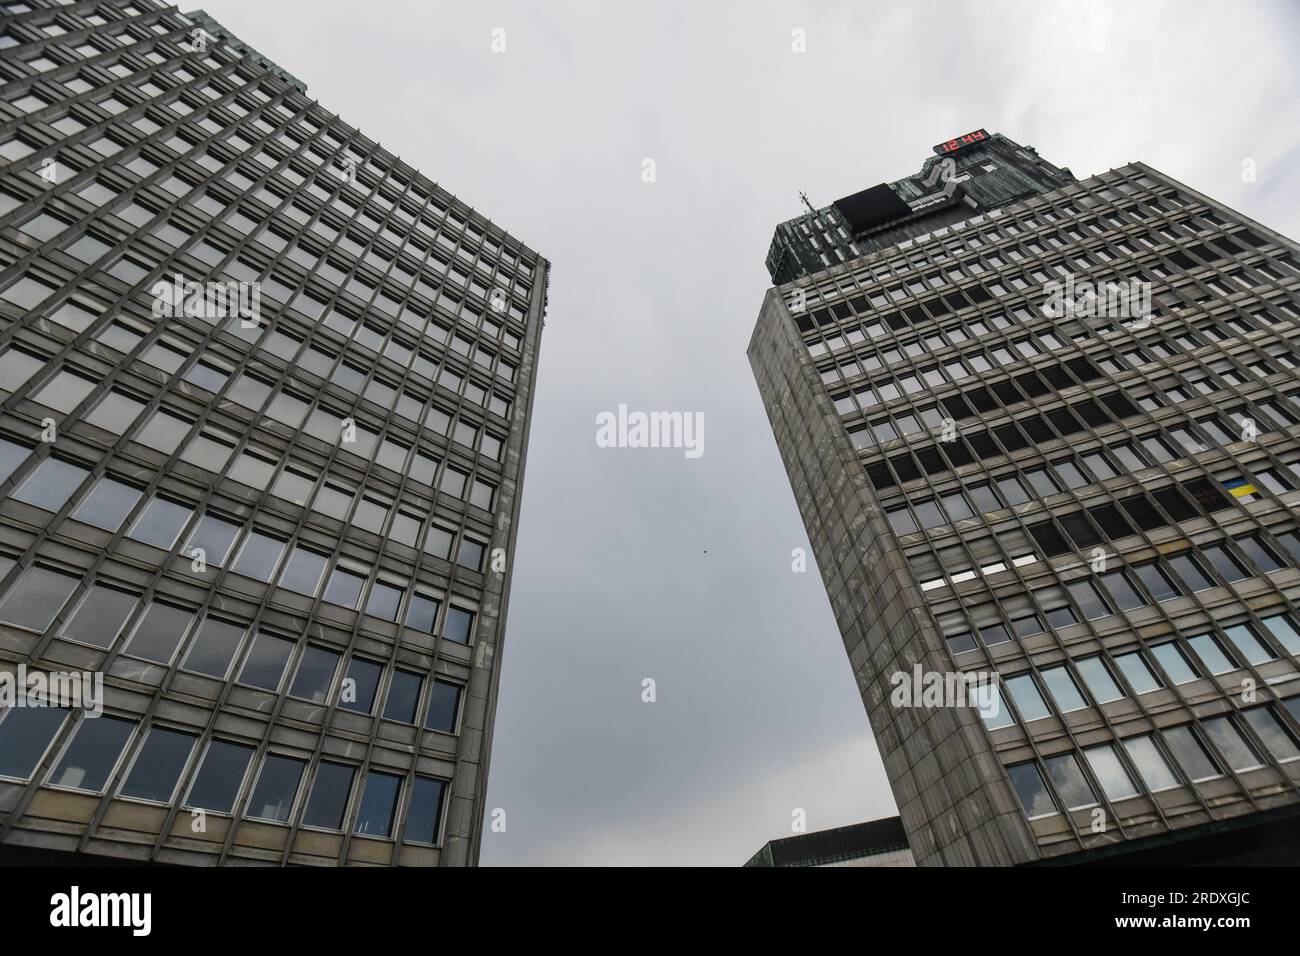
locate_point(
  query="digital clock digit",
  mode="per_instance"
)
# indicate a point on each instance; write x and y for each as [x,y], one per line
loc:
[961,141]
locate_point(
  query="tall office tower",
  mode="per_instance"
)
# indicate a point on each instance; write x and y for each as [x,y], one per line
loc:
[264,404]
[1044,431]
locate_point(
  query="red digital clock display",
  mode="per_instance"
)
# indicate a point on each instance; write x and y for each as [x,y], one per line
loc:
[961,141]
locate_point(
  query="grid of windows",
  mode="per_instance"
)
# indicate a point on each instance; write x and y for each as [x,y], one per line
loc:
[288,380]
[1100,509]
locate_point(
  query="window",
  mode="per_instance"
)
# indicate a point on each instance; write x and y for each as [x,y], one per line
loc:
[471,554]
[378,804]
[329,796]
[213,537]
[1070,782]
[344,588]
[277,786]
[315,674]
[1097,676]
[1231,745]
[444,706]
[1284,632]
[1029,787]
[360,685]
[1090,602]
[159,632]
[1223,562]
[99,618]
[1110,773]
[1190,754]
[403,696]
[1245,641]
[1137,673]
[89,760]
[1211,654]
[220,776]
[384,601]
[1174,663]
[303,571]
[51,485]
[158,765]
[1026,697]
[160,523]
[1156,581]
[424,817]
[1151,765]
[265,664]
[1190,571]
[422,613]
[36,598]
[459,625]
[213,647]
[259,556]
[25,734]
[1063,689]
[1259,553]
[1276,738]
[1123,592]
[107,505]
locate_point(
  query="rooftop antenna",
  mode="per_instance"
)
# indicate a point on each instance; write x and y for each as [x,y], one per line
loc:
[804,197]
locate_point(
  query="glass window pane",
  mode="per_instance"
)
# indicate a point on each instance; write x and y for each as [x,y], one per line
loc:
[425,814]
[1089,601]
[1175,665]
[403,697]
[159,633]
[1271,731]
[277,785]
[219,778]
[160,762]
[458,626]
[315,674]
[383,602]
[1189,753]
[1284,632]
[1027,699]
[1097,676]
[344,588]
[1031,790]
[1070,782]
[213,647]
[1137,673]
[25,734]
[329,796]
[1110,773]
[51,485]
[160,523]
[1063,690]
[422,613]
[360,685]
[1231,744]
[259,556]
[265,664]
[99,618]
[93,753]
[1211,655]
[1244,640]
[444,705]
[303,571]
[1151,765]
[1190,572]
[213,537]
[107,505]
[36,598]
[378,804]
[11,456]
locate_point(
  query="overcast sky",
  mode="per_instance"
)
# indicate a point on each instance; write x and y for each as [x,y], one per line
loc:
[641,563]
